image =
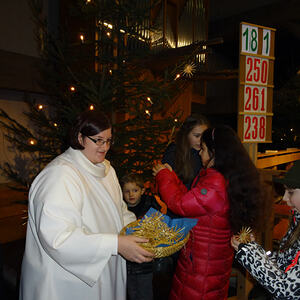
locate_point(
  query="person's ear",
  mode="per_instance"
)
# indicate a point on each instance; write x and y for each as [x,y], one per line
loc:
[80,138]
[143,191]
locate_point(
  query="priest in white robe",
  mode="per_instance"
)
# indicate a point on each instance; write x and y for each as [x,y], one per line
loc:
[76,212]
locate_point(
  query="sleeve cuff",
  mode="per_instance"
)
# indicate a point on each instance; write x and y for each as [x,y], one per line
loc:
[111,241]
[241,245]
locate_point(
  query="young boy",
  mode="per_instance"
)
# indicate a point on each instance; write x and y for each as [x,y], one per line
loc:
[134,195]
[140,276]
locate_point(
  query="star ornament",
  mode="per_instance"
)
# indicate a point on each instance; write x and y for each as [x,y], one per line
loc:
[244,236]
[189,70]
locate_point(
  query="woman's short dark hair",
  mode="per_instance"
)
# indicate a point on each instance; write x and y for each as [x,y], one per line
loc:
[88,123]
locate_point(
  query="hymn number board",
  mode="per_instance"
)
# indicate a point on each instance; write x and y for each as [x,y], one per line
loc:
[256,73]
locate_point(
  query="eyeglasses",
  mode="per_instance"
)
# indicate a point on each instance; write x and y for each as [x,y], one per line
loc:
[101,142]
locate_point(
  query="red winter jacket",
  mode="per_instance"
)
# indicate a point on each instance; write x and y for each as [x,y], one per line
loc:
[204,264]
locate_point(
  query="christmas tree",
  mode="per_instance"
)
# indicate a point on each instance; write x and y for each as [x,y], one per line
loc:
[98,59]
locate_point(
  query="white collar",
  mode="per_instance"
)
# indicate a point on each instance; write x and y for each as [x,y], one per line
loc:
[98,170]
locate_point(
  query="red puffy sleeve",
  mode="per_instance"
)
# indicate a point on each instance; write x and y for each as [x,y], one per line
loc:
[207,197]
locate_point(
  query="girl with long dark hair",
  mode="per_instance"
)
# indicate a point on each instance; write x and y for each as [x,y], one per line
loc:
[224,197]
[183,155]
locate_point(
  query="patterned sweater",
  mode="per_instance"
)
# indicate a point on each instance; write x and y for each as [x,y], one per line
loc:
[278,272]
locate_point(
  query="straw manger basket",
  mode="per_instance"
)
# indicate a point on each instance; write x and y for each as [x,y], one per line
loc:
[163,240]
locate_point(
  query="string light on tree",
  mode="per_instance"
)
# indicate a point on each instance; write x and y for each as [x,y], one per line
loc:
[177,76]
[108,25]
[149,99]
[91,107]
[189,70]
[81,38]
[40,107]
[32,142]
[55,124]
[108,34]
[72,88]
[147,112]
[110,72]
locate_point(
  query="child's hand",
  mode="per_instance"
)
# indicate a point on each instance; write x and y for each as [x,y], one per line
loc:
[129,248]
[235,241]
[168,167]
[159,167]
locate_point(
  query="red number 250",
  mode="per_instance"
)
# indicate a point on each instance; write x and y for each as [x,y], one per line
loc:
[256,70]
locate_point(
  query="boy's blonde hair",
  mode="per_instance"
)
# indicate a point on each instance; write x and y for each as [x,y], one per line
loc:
[132,177]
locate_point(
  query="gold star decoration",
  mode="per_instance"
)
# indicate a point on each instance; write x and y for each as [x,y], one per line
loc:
[162,239]
[189,69]
[244,236]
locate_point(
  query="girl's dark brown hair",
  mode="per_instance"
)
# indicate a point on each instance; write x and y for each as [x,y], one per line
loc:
[295,235]
[292,238]
[183,159]
[88,123]
[244,187]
